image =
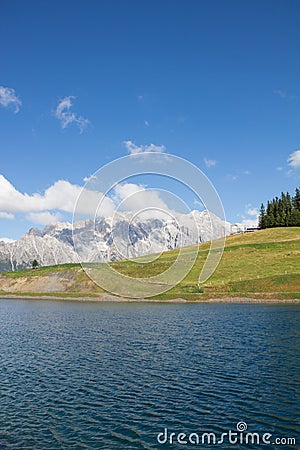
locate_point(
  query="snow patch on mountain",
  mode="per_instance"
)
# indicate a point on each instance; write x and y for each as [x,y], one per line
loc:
[110,239]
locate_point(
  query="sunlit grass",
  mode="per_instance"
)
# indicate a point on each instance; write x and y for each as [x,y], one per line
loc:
[262,263]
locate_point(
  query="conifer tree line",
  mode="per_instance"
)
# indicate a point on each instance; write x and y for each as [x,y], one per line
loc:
[281,212]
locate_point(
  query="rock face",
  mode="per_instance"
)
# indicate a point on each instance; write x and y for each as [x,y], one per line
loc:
[109,239]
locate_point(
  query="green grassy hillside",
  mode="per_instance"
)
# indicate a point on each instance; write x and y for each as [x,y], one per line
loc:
[263,264]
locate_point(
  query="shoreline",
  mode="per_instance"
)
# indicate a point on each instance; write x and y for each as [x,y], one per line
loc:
[107,298]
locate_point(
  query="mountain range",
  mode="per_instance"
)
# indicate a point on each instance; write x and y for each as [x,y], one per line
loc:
[109,239]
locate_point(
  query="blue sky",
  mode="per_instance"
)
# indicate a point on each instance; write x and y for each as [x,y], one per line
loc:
[83,82]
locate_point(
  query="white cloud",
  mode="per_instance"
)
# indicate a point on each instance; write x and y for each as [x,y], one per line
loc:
[135,197]
[252,220]
[146,123]
[294,159]
[231,177]
[94,202]
[125,190]
[44,218]
[250,223]
[90,178]
[284,95]
[281,93]
[64,114]
[8,98]
[134,149]
[252,212]
[6,215]
[209,162]
[198,203]
[61,196]
[6,240]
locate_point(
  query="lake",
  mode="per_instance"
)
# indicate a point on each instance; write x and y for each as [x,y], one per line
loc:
[127,375]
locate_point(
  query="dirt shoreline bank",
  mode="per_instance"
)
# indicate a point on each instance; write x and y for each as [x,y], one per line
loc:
[114,299]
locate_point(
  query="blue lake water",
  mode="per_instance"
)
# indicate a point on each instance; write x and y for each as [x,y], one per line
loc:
[115,375]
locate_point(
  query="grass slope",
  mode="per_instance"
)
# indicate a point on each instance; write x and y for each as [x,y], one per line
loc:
[263,264]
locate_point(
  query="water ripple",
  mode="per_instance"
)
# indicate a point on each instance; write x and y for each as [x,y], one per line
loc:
[92,376]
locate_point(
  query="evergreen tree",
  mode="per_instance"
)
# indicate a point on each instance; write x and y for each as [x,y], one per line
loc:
[280,216]
[295,218]
[281,212]
[262,224]
[288,209]
[35,264]
[296,200]
[270,219]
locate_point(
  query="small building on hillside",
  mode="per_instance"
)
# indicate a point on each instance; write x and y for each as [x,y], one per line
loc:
[236,228]
[250,229]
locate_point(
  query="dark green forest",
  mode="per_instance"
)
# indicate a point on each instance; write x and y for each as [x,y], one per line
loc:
[281,212]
